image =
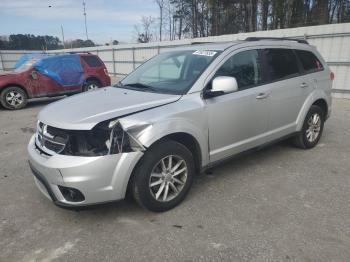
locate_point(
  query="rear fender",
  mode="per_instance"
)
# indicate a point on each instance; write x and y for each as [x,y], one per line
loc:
[314,96]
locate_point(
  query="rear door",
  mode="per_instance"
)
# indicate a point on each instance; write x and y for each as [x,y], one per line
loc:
[311,65]
[238,120]
[289,89]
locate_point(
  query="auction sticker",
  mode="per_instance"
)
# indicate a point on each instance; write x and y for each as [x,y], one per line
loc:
[204,53]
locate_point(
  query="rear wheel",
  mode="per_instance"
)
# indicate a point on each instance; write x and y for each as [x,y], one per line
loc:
[91,85]
[164,176]
[13,98]
[312,129]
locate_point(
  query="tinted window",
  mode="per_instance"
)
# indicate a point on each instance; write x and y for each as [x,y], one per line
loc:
[245,67]
[92,61]
[309,61]
[281,63]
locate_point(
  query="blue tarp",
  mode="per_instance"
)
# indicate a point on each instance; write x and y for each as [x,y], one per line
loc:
[26,57]
[64,69]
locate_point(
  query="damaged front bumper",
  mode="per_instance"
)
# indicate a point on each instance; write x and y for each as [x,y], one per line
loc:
[99,179]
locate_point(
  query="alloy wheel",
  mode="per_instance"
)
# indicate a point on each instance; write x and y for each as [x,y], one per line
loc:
[91,87]
[314,127]
[168,178]
[14,98]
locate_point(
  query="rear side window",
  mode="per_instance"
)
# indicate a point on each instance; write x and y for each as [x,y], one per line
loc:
[309,61]
[92,61]
[281,63]
[245,67]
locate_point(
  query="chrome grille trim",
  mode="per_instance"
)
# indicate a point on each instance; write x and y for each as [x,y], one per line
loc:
[43,138]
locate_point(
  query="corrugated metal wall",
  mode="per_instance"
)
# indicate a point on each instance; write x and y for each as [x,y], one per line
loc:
[333,42]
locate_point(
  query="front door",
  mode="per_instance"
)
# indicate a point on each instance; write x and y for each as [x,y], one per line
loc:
[42,85]
[237,121]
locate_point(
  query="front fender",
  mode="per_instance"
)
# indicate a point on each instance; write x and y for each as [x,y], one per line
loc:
[152,132]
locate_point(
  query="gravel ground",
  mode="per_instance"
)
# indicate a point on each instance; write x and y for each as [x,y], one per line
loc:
[277,204]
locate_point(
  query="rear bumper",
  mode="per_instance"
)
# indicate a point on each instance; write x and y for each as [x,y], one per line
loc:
[100,179]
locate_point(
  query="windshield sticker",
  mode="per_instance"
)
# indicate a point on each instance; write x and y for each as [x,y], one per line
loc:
[204,53]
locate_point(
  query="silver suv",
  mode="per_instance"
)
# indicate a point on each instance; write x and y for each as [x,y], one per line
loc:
[174,116]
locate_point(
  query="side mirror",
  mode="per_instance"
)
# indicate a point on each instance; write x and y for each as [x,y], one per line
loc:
[34,75]
[222,85]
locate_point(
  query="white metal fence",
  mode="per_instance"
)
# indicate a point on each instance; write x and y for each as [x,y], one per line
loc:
[332,41]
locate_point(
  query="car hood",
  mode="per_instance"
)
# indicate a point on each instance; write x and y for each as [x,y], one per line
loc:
[84,111]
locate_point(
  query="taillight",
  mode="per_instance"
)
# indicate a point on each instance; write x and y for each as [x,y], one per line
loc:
[332,76]
[106,71]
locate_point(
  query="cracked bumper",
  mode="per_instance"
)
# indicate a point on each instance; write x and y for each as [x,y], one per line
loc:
[100,179]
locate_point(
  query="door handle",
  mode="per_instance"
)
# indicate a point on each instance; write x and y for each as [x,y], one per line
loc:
[303,85]
[262,95]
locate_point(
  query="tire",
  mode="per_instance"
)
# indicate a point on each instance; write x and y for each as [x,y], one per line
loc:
[91,85]
[148,196]
[13,98]
[312,129]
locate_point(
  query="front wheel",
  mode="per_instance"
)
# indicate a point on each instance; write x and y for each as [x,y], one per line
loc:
[13,98]
[164,176]
[312,129]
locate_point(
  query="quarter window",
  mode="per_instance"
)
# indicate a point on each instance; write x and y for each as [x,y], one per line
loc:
[309,61]
[92,61]
[281,63]
[245,67]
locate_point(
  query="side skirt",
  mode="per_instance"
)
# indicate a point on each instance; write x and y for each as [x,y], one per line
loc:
[246,152]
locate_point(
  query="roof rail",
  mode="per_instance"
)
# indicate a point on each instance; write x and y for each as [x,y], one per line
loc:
[79,52]
[302,41]
[198,43]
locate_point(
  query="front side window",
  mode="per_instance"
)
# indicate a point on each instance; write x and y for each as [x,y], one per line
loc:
[245,67]
[173,72]
[309,61]
[281,63]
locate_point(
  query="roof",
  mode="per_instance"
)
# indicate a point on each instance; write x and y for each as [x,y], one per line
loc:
[216,46]
[221,46]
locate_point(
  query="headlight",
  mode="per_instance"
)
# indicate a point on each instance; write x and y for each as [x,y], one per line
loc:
[107,137]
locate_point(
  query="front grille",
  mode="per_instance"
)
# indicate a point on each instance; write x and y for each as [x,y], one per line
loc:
[51,139]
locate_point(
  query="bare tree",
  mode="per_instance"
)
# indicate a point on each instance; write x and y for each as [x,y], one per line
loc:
[161,5]
[144,31]
[170,11]
[199,18]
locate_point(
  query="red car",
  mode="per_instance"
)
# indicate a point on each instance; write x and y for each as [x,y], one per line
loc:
[52,76]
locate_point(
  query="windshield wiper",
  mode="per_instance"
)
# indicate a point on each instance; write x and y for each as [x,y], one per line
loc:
[140,86]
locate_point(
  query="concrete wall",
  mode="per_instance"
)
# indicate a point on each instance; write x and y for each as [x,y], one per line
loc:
[333,42]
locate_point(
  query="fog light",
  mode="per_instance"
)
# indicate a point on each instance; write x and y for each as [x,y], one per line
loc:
[71,194]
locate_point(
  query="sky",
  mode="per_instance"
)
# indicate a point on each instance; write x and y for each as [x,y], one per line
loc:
[106,19]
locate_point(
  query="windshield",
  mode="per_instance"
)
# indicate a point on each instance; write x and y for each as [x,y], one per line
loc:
[26,65]
[172,72]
